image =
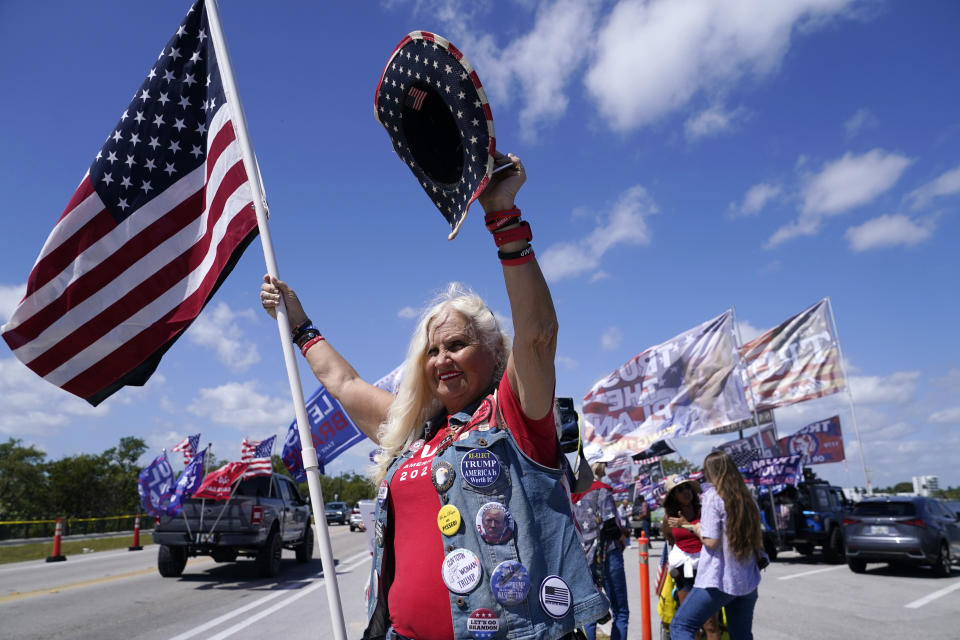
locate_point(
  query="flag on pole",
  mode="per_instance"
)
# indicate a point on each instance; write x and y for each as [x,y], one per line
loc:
[155,485]
[331,429]
[187,483]
[188,446]
[797,360]
[662,568]
[687,385]
[256,453]
[217,484]
[156,224]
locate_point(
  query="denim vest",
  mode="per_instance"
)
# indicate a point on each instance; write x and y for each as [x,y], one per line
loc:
[545,540]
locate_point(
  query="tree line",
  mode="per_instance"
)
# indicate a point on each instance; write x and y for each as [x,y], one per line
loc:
[100,485]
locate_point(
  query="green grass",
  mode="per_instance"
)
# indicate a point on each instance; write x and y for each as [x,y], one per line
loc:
[41,550]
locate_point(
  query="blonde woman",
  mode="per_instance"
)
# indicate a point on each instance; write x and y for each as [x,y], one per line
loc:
[728,573]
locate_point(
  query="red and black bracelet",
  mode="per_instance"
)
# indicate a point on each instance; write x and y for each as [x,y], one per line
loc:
[309,343]
[520,232]
[515,258]
[498,219]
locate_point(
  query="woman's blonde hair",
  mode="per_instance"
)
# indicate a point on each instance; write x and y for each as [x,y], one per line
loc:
[744,531]
[415,402]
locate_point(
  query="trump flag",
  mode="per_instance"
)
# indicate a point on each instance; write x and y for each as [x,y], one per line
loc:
[690,384]
[156,224]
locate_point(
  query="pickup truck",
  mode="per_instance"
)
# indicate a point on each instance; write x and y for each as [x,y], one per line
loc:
[265,515]
[809,517]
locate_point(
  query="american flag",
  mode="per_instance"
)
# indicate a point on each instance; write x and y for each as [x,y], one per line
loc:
[257,454]
[662,567]
[162,215]
[797,360]
[743,457]
[188,446]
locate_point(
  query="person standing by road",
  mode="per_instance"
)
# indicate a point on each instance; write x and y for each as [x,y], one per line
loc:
[729,571]
[602,538]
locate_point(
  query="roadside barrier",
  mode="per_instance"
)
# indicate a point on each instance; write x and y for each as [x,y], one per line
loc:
[27,529]
[644,585]
[56,556]
[136,536]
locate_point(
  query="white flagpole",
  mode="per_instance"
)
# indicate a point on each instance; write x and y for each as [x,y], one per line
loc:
[309,453]
[853,412]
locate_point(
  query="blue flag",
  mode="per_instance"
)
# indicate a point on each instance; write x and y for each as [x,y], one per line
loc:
[155,485]
[332,431]
[188,482]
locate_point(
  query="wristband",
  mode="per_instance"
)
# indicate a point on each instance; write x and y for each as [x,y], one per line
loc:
[520,232]
[515,258]
[499,219]
[307,334]
[309,343]
[300,329]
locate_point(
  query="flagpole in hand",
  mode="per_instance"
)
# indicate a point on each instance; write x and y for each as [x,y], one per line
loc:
[309,453]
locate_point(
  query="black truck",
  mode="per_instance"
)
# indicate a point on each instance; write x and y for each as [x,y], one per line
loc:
[265,515]
[807,516]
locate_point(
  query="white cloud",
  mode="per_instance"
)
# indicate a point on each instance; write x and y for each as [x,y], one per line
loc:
[407,313]
[611,339]
[216,329]
[34,407]
[755,199]
[844,184]
[747,331]
[949,416]
[947,184]
[541,61]
[896,388]
[862,119]
[888,231]
[567,363]
[951,381]
[654,56]
[625,224]
[10,297]
[241,404]
[712,121]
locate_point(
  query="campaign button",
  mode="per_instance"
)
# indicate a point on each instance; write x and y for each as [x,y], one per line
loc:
[495,523]
[461,570]
[480,468]
[442,475]
[382,493]
[378,533]
[510,583]
[448,520]
[417,445]
[555,596]
[483,624]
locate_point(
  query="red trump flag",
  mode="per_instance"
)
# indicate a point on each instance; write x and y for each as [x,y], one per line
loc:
[217,484]
[159,220]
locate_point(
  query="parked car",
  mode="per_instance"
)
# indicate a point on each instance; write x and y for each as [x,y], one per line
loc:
[337,512]
[909,530]
[356,520]
[816,521]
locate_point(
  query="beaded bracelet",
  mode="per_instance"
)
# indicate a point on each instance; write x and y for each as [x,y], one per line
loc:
[515,258]
[309,333]
[309,343]
[300,329]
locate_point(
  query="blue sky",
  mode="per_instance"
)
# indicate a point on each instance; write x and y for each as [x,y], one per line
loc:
[683,158]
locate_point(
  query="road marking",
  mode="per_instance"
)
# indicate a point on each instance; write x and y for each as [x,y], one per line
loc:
[810,573]
[916,604]
[350,563]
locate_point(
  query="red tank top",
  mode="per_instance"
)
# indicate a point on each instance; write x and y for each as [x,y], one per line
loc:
[687,540]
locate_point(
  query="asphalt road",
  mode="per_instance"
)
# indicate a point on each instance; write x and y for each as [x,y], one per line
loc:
[119,594]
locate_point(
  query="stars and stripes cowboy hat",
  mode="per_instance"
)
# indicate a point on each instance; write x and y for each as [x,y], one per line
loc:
[431,103]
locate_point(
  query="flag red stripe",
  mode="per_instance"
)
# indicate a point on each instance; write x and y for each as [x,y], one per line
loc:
[113,265]
[151,288]
[143,345]
[60,258]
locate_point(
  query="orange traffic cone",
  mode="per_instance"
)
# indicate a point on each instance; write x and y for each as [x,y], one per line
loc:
[136,536]
[56,556]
